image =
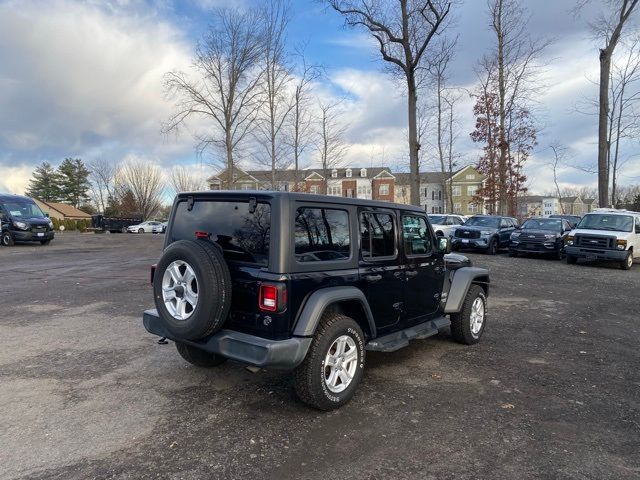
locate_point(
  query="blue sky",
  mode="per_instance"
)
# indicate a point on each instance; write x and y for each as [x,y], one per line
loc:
[85,79]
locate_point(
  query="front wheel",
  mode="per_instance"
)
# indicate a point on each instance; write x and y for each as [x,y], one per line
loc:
[627,263]
[513,253]
[45,242]
[492,249]
[199,357]
[468,324]
[7,239]
[141,230]
[331,372]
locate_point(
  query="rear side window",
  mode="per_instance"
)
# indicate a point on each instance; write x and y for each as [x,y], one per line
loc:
[377,231]
[322,235]
[243,236]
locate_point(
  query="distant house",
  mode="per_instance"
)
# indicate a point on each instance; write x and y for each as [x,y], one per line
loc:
[573,206]
[531,205]
[62,211]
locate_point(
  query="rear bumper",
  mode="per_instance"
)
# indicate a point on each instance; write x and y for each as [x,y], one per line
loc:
[22,236]
[258,351]
[596,254]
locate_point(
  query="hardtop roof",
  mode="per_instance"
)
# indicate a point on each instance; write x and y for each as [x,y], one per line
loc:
[295,196]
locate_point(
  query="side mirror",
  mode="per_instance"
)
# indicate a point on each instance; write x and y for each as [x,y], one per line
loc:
[444,244]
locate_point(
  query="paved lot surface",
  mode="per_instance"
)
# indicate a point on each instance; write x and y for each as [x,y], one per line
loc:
[553,391]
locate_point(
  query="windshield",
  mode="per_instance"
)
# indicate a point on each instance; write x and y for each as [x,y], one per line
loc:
[490,222]
[542,224]
[617,223]
[24,209]
[437,219]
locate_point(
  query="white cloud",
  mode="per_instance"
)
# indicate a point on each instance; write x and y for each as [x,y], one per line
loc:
[14,179]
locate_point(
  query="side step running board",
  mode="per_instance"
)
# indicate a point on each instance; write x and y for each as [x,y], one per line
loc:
[397,340]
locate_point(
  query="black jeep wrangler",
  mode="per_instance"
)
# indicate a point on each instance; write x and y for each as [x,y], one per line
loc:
[309,283]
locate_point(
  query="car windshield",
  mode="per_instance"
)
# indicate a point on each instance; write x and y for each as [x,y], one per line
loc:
[598,221]
[542,224]
[24,209]
[490,222]
[437,219]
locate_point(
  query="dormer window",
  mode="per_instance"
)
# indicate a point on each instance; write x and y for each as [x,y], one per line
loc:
[348,173]
[334,173]
[363,172]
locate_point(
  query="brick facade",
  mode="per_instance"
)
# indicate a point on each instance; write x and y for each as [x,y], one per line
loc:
[378,192]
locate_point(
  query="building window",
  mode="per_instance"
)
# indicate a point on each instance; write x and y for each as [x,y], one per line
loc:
[425,193]
[472,208]
[348,173]
[471,176]
[335,190]
[315,189]
[364,190]
[383,189]
[334,173]
[456,191]
[363,172]
[472,190]
[457,207]
[245,186]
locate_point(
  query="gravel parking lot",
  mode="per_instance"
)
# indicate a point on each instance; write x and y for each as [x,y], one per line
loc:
[552,391]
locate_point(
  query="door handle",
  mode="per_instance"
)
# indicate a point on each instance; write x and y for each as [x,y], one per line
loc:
[372,278]
[411,273]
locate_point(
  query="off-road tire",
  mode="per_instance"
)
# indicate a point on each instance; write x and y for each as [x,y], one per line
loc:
[310,384]
[45,242]
[571,259]
[627,263]
[214,289]
[199,357]
[7,239]
[461,321]
[492,249]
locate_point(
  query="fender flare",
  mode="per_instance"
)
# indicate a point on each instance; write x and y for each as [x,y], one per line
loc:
[462,280]
[318,302]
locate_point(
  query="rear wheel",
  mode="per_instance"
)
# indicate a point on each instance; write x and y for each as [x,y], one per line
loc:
[627,263]
[571,260]
[199,357]
[331,372]
[468,324]
[7,239]
[123,229]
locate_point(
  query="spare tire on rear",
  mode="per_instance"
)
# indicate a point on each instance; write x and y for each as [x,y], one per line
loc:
[192,289]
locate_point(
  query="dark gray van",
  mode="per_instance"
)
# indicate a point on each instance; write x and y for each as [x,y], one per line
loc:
[22,220]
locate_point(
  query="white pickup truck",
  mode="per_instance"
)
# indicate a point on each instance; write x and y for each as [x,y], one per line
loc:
[605,234]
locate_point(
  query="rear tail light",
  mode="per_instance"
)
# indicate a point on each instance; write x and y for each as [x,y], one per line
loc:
[153,272]
[272,297]
[268,298]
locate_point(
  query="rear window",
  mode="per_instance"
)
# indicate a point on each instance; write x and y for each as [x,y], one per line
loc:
[322,235]
[243,236]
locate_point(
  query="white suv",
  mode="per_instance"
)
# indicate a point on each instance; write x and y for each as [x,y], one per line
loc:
[444,225]
[605,234]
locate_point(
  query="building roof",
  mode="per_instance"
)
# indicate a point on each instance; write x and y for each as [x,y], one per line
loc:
[289,175]
[67,210]
[425,177]
[569,199]
[532,198]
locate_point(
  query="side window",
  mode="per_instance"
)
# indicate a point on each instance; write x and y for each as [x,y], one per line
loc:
[637,224]
[321,235]
[378,236]
[504,223]
[416,235]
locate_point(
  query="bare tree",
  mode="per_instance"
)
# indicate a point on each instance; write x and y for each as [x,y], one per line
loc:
[102,176]
[144,180]
[559,155]
[514,64]
[607,28]
[223,89]
[330,143]
[450,100]
[183,179]
[300,121]
[403,29]
[623,114]
[275,82]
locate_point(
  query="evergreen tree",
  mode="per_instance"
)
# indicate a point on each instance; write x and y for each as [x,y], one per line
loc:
[74,181]
[44,184]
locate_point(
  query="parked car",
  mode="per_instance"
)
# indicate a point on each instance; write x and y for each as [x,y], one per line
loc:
[572,219]
[144,227]
[540,236]
[605,234]
[444,225]
[484,232]
[114,224]
[161,228]
[241,277]
[22,220]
